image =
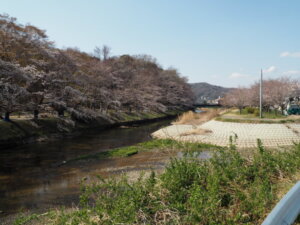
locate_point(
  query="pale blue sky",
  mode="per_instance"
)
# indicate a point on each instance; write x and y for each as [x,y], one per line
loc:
[223,42]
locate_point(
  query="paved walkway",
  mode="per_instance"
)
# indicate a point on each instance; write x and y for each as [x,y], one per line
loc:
[272,135]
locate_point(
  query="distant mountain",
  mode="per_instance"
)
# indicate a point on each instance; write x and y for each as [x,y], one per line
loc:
[205,92]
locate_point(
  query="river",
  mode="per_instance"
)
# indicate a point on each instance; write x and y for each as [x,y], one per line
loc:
[33,177]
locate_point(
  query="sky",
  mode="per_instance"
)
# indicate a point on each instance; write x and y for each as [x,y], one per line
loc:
[222,42]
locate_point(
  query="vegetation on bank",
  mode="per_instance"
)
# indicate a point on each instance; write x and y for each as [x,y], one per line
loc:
[19,130]
[193,118]
[245,120]
[254,113]
[26,130]
[251,115]
[228,188]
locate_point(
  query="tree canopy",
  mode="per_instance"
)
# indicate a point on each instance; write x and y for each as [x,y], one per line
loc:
[36,76]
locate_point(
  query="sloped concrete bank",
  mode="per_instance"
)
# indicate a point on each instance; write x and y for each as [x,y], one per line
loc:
[272,135]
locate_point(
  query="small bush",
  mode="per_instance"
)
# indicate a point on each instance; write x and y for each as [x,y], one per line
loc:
[250,110]
[256,112]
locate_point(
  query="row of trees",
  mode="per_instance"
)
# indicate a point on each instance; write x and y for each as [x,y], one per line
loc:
[277,93]
[35,76]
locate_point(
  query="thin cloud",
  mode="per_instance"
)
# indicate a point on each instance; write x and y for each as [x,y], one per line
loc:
[270,69]
[291,72]
[238,75]
[290,54]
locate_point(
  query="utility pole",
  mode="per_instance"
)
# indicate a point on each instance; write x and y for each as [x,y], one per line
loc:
[261,94]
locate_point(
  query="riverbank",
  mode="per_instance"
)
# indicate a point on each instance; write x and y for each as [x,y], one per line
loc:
[195,168]
[226,188]
[43,175]
[152,155]
[20,131]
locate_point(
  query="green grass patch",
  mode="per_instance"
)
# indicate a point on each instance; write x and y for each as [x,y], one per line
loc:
[241,120]
[155,144]
[273,115]
[25,219]
[252,112]
[176,145]
[108,154]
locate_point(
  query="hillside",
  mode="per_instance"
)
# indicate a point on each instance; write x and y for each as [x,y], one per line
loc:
[204,92]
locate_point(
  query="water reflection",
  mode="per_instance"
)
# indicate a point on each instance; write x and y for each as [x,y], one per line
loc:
[199,155]
[31,176]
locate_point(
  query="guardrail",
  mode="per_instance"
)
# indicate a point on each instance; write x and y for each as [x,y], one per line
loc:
[287,209]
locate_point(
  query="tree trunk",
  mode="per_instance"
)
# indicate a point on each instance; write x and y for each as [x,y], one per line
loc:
[282,109]
[61,113]
[6,116]
[36,114]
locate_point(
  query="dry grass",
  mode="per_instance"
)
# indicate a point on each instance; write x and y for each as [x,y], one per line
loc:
[196,131]
[192,118]
[187,117]
[285,184]
[294,117]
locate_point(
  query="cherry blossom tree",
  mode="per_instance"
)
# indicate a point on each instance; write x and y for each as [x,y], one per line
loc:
[12,98]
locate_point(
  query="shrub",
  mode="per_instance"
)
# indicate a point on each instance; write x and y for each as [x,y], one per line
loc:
[250,110]
[256,112]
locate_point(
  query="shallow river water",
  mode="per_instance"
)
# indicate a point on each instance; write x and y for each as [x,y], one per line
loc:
[33,177]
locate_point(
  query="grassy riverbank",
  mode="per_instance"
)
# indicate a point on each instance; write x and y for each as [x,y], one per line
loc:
[251,115]
[19,131]
[229,188]
[268,121]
